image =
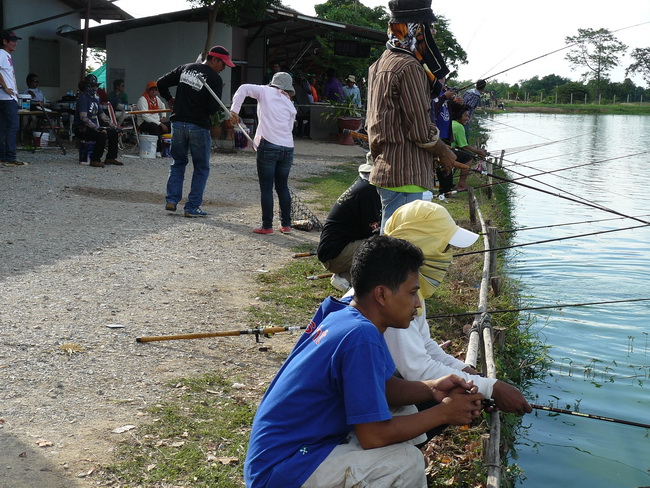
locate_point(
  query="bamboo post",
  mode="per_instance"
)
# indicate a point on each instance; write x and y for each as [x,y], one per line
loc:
[492,239]
[500,164]
[490,169]
[472,210]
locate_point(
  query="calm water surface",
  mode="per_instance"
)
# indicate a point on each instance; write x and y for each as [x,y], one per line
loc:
[601,354]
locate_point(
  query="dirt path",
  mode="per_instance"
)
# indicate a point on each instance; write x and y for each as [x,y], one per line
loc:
[84,249]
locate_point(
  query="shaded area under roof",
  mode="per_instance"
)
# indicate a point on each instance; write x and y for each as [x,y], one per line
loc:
[282,27]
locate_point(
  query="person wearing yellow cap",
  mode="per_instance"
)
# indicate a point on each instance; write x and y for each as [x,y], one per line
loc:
[417,356]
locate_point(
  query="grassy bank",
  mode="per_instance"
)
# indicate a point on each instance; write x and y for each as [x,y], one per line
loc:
[577,108]
[200,436]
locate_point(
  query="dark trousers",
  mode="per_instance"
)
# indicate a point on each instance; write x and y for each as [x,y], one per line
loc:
[100,138]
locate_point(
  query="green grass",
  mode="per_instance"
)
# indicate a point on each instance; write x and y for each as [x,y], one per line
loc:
[201,433]
[199,439]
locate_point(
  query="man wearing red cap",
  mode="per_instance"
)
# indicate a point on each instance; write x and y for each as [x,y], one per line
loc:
[8,101]
[191,110]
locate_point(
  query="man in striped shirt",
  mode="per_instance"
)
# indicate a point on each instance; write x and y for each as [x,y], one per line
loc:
[404,141]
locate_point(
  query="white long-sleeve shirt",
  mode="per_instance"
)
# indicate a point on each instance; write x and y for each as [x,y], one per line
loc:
[275,113]
[418,357]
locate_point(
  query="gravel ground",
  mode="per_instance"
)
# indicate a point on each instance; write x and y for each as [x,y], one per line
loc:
[88,249]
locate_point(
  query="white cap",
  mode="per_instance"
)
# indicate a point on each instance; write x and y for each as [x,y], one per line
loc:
[463,238]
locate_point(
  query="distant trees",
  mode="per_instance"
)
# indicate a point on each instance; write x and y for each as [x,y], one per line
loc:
[596,50]
[354,12]
[641,64]
[229,10]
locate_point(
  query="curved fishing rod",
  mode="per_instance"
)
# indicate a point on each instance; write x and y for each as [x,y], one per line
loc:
[547,54]
[564,197]
[521,229]
[526,309]
[589,416]
[525,165]
[468,253]
[602,207]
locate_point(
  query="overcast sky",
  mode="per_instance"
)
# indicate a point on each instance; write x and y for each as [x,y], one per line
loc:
[504,33]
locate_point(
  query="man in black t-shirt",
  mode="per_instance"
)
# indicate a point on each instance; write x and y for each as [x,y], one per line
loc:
[355,216]
[191,110]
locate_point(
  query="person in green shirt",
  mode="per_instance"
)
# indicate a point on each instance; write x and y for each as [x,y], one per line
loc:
[465,152]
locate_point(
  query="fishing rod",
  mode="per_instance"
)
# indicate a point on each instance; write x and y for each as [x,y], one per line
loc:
[547,54]
[521,229]
[589,416]
[526,309]
[266,331]
[550,240]
[564,197]
[602,207]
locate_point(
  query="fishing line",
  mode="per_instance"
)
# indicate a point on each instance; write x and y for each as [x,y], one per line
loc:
[546,307]
[559,189]
[552,240]
[547,54]
[589,416]
[521,229]
[599,207]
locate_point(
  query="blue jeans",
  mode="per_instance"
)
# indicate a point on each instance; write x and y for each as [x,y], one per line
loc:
[273,166]
[188,137]
[8,130]
[392,200]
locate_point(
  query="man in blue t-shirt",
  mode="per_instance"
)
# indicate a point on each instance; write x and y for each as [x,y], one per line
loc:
[325,419]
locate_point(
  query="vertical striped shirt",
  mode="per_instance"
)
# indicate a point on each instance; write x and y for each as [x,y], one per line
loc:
[398,119]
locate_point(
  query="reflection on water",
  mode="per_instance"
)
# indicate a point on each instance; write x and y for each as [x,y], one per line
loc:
[601,353]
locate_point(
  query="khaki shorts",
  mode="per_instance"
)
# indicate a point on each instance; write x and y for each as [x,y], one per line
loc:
[342,263]
[351,466]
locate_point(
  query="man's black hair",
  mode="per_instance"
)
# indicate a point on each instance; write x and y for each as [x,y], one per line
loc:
[30,77]
[383,260]
[457,111]
[117,83]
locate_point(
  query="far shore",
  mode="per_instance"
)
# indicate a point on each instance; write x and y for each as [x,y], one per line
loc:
[618,109]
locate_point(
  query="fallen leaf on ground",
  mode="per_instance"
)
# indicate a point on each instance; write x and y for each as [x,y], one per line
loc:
[44,443]
[124,428]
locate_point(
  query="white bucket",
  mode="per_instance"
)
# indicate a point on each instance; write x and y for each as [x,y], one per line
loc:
[41,139]
[148,146]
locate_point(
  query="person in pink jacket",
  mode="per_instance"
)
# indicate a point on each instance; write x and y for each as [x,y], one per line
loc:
[273,139]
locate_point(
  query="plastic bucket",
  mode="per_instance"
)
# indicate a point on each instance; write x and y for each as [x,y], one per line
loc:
[166,146]
[86,149]
[148,146]
[24,101]
[41,139]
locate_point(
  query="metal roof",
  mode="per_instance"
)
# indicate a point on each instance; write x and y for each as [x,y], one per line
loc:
[283,28]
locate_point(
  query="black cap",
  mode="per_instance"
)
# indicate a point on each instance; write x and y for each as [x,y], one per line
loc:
[91,80]
[411,11]
[10,36]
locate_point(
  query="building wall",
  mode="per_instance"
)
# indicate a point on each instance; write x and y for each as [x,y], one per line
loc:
[142,55]
[26,11]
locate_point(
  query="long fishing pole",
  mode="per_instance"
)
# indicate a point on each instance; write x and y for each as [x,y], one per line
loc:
[522,229]
[226,333]
[564,197]
[545,307]
[549,240]
[548,54]
[589,416]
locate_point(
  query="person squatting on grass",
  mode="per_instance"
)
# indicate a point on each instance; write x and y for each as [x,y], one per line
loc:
[325,420]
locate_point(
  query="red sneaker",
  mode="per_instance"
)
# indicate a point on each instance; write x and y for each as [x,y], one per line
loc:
[285,230]
[262,230]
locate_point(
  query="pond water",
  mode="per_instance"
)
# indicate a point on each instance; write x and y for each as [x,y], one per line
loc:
[601,354]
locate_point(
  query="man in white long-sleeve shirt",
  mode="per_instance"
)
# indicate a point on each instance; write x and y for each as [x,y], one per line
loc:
[416,355]
[274,141]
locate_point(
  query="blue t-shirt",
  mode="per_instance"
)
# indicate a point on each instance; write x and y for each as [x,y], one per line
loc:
[88,104]
[334,378]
